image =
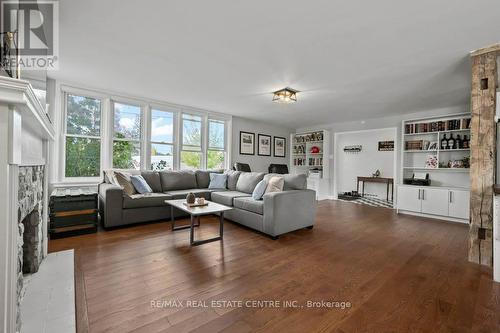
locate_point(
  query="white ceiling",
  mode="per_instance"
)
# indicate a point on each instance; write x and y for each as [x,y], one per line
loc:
[352,60]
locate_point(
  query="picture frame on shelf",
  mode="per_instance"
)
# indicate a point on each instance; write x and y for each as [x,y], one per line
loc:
[247,143]
[279,146]
[264,145]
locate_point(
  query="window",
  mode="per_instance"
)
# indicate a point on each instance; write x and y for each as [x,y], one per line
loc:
[83,136]
[191,142]
[216,154]
[101,131]
[127,136]
[162,140]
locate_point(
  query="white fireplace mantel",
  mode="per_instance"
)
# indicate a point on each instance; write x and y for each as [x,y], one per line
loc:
[25,129]
[19,94]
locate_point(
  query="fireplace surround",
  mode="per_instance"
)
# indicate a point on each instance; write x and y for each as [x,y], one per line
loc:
[25,132]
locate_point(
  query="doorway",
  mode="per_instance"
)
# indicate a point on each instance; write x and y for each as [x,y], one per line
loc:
[369,156]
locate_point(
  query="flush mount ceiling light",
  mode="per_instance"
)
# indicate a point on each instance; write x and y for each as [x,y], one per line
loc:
[286,95]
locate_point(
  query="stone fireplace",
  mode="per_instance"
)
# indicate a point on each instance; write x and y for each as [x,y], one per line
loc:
[31,233]
[30,225]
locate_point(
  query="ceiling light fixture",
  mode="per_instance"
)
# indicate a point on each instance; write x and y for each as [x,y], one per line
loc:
[285,95]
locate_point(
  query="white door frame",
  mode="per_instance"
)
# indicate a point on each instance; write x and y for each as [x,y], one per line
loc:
[337,150]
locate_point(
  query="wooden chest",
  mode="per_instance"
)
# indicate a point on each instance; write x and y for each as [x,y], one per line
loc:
[73,211]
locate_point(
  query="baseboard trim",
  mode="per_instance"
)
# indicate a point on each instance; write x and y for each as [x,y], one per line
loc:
[435,217]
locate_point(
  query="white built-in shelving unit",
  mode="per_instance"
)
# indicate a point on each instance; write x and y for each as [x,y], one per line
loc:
[309,154]
[448,195]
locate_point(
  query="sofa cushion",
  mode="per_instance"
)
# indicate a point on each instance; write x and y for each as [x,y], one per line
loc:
[226,197]
[248,180]
[124,181]
[110,174]
[177,180]
[181,194]
[232,179]
[292,182]
[275,184]
[248,203]
[259,190]
[217,181]
[145,200]
[140,184]
[203,177]
[153,180]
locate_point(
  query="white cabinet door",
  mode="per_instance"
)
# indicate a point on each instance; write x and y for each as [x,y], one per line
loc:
[459,203]
[434,201]
[409,198]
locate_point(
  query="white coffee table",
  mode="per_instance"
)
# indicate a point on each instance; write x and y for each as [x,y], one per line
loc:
[195,213]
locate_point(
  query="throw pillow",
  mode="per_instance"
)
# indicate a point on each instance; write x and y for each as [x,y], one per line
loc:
[217,181]
[140,184]
[259,190]
[123,180]
[110,177]
[275,184]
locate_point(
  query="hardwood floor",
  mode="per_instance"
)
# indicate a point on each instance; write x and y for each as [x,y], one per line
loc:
[399,273]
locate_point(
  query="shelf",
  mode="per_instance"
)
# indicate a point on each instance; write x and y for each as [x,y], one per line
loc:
[438,132]
[306,142]
[452,150]
[307,154]
[434,151]
[421,133]
[439,169]
[457,130]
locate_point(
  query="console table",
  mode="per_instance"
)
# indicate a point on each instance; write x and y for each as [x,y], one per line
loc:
[388,181]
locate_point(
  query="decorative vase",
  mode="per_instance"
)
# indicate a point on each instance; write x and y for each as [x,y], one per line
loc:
[190,198]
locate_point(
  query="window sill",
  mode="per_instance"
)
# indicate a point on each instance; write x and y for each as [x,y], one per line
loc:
[76,183]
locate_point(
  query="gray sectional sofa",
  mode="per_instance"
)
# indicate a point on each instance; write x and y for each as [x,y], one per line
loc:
[277,213]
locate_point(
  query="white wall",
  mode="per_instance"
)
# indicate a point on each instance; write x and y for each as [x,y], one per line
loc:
[365,163]
[382,122]
[258,163]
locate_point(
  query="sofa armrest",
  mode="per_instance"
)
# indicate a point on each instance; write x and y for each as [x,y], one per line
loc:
[288,210]
[110,204]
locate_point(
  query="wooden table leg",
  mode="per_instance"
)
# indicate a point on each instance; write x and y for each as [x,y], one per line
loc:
[363,189]
[392,191]
[357,186]
[387,191]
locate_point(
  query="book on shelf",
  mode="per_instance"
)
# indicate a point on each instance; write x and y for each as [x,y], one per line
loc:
[437,126]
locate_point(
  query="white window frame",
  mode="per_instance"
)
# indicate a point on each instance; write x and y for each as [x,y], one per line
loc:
[142,144]
[64,134]
[225,150]
[149,141]
[202,137]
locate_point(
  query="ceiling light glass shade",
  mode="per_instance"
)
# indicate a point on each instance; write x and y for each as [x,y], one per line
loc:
[286,95]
